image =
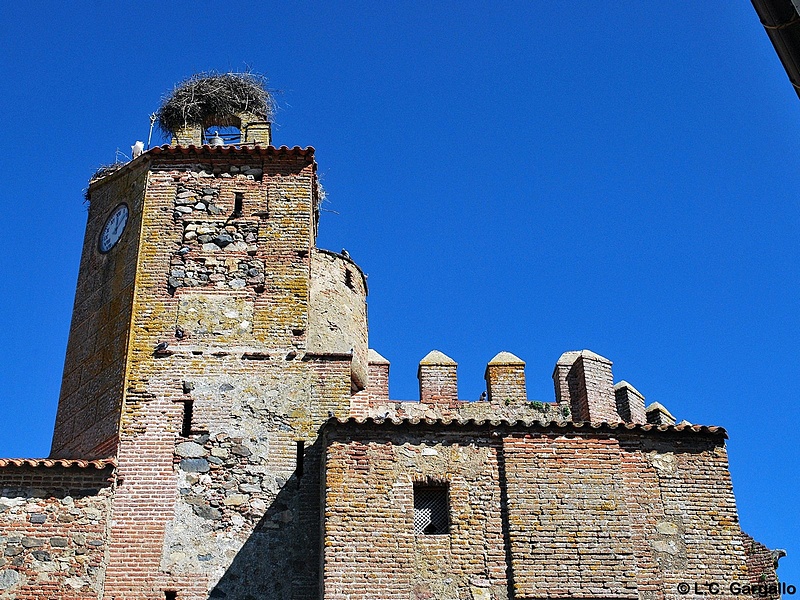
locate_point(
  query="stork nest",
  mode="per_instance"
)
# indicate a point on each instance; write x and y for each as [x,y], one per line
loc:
[104,170]
[215,99]
[101,172]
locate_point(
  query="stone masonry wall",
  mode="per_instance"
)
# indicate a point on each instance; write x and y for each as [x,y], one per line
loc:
[529,411]
[53,524]
[338,310]
[247,513]
[210,346]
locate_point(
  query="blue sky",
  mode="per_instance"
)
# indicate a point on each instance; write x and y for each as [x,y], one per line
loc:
[531,177]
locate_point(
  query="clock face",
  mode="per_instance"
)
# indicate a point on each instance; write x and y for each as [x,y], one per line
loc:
[112,230]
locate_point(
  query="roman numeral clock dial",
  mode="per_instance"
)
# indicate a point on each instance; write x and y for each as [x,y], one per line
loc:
[112,230]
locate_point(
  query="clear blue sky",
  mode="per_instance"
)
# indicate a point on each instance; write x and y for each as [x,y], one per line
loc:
[533,177]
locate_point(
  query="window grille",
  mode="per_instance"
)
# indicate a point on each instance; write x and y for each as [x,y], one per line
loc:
[431,510]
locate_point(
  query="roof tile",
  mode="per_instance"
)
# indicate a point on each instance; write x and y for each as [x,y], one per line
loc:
[58,462]
[542,425]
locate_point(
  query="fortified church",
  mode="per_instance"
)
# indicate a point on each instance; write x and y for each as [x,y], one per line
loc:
[225,431]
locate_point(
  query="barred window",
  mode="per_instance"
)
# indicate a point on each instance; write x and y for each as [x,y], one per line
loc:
[431,510]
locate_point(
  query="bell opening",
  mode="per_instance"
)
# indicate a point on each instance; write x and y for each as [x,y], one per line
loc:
[222,136]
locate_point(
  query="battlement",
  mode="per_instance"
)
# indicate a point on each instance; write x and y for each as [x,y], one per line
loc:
[583,382]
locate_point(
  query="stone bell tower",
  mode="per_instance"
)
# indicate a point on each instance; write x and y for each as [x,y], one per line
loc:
[205,317]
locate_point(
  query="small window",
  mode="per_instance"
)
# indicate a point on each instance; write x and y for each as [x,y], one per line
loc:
[301,451]
[188,413]
[431,510]
[238,204]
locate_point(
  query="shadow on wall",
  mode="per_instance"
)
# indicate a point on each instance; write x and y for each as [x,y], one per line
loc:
[281,558]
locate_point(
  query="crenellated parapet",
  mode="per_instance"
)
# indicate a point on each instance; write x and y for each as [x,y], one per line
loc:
[583,381]
[438,383]
[505,380]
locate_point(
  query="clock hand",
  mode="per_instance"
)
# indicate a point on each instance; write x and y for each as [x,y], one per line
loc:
[118,223]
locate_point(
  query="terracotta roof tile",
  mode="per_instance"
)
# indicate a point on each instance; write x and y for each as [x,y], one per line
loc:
[58,462]
[540,425]
[206,149]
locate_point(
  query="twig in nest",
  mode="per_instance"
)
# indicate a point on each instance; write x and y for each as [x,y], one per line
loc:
[215,99]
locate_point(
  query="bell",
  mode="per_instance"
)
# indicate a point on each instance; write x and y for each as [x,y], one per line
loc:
[216,140]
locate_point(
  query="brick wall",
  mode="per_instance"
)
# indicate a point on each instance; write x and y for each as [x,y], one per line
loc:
[505,380]
[583,392]
[761,567]
[94,368]
[506,396]
[438,382]
[378,386]
[569,539]
[584,380]
[548,511]
[630,403]
[371,550]
[223,486]
[697,498]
